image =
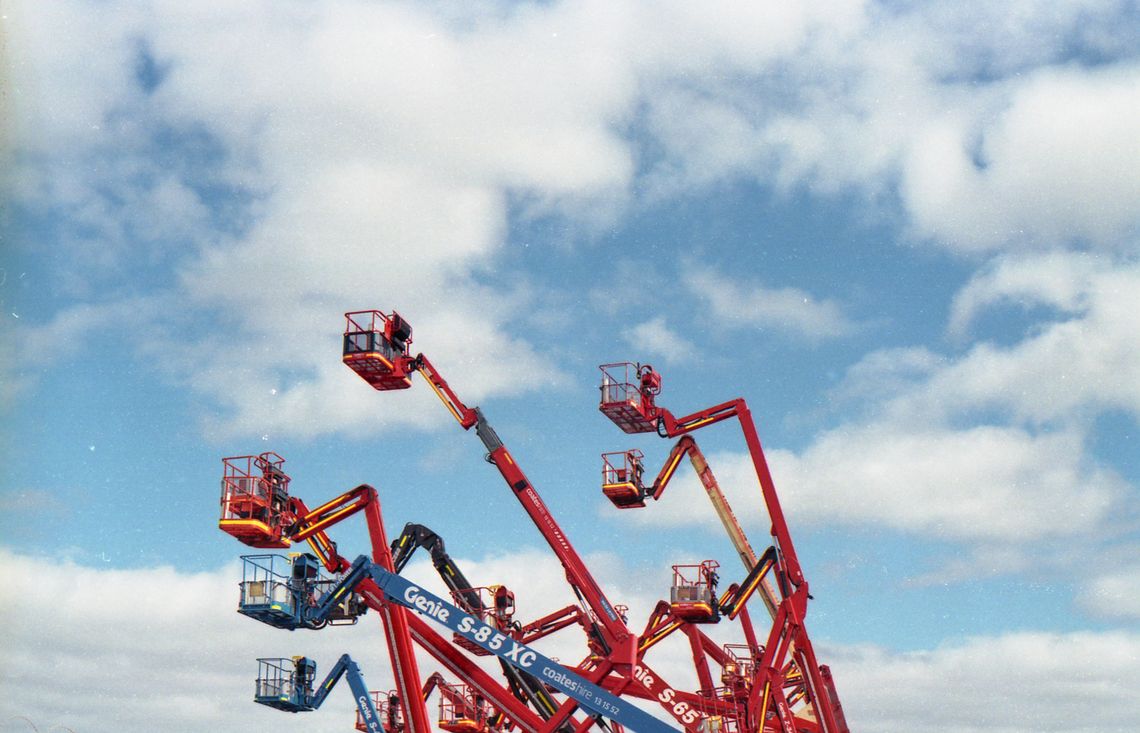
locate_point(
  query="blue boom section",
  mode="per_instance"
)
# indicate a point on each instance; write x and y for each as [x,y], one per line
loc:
[287,684]
[587,694]
[398,590]
[275,588]
[291,593]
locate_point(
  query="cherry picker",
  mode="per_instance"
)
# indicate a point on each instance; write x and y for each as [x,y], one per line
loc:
[377,584]
[788,689]
[287,684]
[493,605]
[769,684]
[787,673]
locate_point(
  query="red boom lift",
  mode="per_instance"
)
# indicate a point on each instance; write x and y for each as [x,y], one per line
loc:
[789,690]
[789,686]
[766,684]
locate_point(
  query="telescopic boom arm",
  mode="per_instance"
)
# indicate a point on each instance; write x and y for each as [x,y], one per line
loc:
[347,668]
[287,685]
[784,672]
[631,404]
[377,347]
[396,589]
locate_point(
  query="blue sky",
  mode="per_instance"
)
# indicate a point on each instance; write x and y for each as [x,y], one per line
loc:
[906,233]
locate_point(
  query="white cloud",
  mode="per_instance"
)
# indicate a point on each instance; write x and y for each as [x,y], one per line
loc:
[1058,280]
[523,100]
[375,148]
[981,483]
[787,310]
[976,122]
[61,95]
[993,446]
[139,650]
[654,338]
[1045,176]
[1016,683]
[885,373]
[1081,361]
[1115,593]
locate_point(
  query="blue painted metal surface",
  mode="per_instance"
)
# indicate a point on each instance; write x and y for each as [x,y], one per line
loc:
[587,694]
[287,684]
[267,591]
[407,594]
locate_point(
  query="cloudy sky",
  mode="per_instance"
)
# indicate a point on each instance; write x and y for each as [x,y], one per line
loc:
[907,233]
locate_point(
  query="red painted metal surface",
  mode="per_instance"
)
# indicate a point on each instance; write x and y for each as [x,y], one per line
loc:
[768,681]
[255,500]
[786,686]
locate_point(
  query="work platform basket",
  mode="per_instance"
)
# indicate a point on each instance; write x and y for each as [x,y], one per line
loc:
[693,595]
[622,478]
[462,710]
[285,684]
[376,346]
[255,500]
[627,392]
[387,705]
[494,605]
[739,668]
[268,591]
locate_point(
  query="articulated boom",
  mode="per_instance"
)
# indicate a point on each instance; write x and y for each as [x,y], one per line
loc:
[287,684]
[786,683]
[761,683]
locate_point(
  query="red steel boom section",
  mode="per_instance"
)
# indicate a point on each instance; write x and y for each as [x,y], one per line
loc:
[288,520]
[789,685]
[767,683]
[789,690]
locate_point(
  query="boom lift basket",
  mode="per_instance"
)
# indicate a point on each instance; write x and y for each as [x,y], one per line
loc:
[278,589]
[285,684]
[621,478]
[255,500]
[693,595]
[387,706]
[376,347]
[625,401]
[268,591]
[461,710]
[739,670]
[718,724]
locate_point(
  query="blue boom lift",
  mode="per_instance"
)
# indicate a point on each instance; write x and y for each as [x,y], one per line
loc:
[287,684]
[313,608]
[280,591]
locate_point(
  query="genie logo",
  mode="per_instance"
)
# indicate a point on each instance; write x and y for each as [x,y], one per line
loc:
[517,654]
[428,607]
[364,705]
